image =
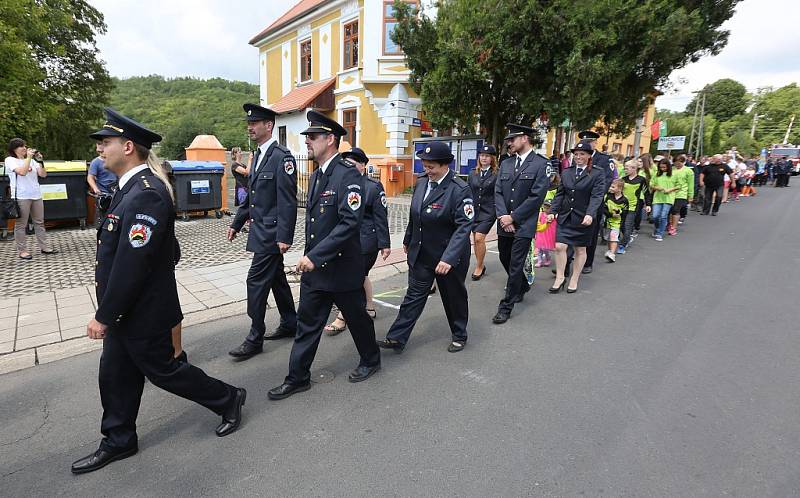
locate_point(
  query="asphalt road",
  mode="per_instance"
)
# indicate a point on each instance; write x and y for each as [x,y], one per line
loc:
[673,372]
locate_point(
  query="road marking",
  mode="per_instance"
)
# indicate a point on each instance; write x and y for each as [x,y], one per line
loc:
[384,303]
[392,293]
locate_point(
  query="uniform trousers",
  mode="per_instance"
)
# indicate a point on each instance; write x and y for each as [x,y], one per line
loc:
[454,299]
[266,272]
[125,363]
[513,251]
[312,315]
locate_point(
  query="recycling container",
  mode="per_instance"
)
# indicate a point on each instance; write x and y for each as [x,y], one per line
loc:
[198,187]
[64,191]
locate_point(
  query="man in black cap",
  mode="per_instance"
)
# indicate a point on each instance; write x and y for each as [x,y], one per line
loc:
[137,299]
[332,266]
[521,185]
[605,163]
[271,208]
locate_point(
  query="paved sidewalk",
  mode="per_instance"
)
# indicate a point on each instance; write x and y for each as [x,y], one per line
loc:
[48,322]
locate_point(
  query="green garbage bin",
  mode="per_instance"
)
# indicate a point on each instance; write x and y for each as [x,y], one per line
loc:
[64,191]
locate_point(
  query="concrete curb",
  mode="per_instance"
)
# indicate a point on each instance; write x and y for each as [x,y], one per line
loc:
[40,355]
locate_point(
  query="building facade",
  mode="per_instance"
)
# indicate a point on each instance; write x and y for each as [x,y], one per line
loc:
[337,57]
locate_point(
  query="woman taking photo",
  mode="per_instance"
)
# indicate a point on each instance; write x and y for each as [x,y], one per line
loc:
[437,244]
[663,186]
[24,168]
[581,192]
[481,183]
[374,233]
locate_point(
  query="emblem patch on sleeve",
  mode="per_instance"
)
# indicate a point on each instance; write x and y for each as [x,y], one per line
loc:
[354,200]
[139,235]
[288,166]
[469,211]
[383,199]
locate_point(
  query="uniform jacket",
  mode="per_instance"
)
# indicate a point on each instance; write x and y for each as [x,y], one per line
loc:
[521,193]
[483,195]
[271,204]
[577,198]
[136,253]
[439,226]
[335,208]
[375,225]
[603,162]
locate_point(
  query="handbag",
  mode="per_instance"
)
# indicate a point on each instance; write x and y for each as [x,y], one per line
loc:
[9,208]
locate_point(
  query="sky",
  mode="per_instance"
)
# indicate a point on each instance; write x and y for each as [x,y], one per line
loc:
[208,38]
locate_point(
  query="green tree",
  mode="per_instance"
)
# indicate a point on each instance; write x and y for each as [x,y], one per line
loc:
[53,84]
[179,107]
[182,134]
[725,99]
[493,61]
[776,109]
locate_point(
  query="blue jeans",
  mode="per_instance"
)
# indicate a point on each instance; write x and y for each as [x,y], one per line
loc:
[660,214]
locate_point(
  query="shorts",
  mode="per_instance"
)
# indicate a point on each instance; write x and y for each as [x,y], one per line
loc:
[611,234]
[678,205]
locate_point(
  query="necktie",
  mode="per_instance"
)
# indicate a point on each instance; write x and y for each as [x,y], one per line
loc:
[432,186]
[579,173]
[256,156]
[516,166]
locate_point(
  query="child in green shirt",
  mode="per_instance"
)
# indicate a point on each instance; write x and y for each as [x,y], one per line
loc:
[615,206]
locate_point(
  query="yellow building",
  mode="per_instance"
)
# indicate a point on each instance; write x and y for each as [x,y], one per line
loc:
[336,56]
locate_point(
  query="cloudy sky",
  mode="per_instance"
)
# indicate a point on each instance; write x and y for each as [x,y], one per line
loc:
[208,38]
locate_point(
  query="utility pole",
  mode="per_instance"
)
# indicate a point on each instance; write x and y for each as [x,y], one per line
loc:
[788,131]
[753,128]
[698,125]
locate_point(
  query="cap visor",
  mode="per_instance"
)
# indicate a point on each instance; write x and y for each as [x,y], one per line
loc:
[105,132]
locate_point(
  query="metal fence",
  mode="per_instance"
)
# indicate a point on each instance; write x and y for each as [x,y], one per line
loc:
[305,167]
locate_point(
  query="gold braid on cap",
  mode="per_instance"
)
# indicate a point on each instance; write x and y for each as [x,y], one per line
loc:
[109,125]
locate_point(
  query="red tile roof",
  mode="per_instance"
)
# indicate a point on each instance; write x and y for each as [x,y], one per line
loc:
[301,97]
[300,9]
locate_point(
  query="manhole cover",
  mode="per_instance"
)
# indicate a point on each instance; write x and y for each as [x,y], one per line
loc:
[322,376]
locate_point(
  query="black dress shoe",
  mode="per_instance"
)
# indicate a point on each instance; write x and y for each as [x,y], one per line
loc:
[456,346]
[387,343]
[245,351]
[285,390]
[100,459]
[232,418]
[501,317]
[586,270]
[556,290]
[480,275]
[362,373]
[280,333]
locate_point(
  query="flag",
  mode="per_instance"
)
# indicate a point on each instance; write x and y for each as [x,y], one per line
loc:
[655,129]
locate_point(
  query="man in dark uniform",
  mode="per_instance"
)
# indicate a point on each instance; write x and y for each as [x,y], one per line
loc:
[271,208]
[137,299]
[601,161]
[521,185]
[332,266]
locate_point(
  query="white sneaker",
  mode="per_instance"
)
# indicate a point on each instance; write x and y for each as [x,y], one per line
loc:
[611,257]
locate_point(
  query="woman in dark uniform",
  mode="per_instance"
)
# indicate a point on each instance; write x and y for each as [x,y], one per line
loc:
[481,182]
[374,233]
[581,192]
[437,244]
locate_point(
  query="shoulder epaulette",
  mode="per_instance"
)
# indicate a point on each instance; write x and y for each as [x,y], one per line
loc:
[347,163]
[145,181]
[458,181]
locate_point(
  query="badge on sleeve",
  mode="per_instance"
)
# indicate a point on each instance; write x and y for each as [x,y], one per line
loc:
[354,200]
[288,166]
[139,235]
[383,199]
[469,211]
